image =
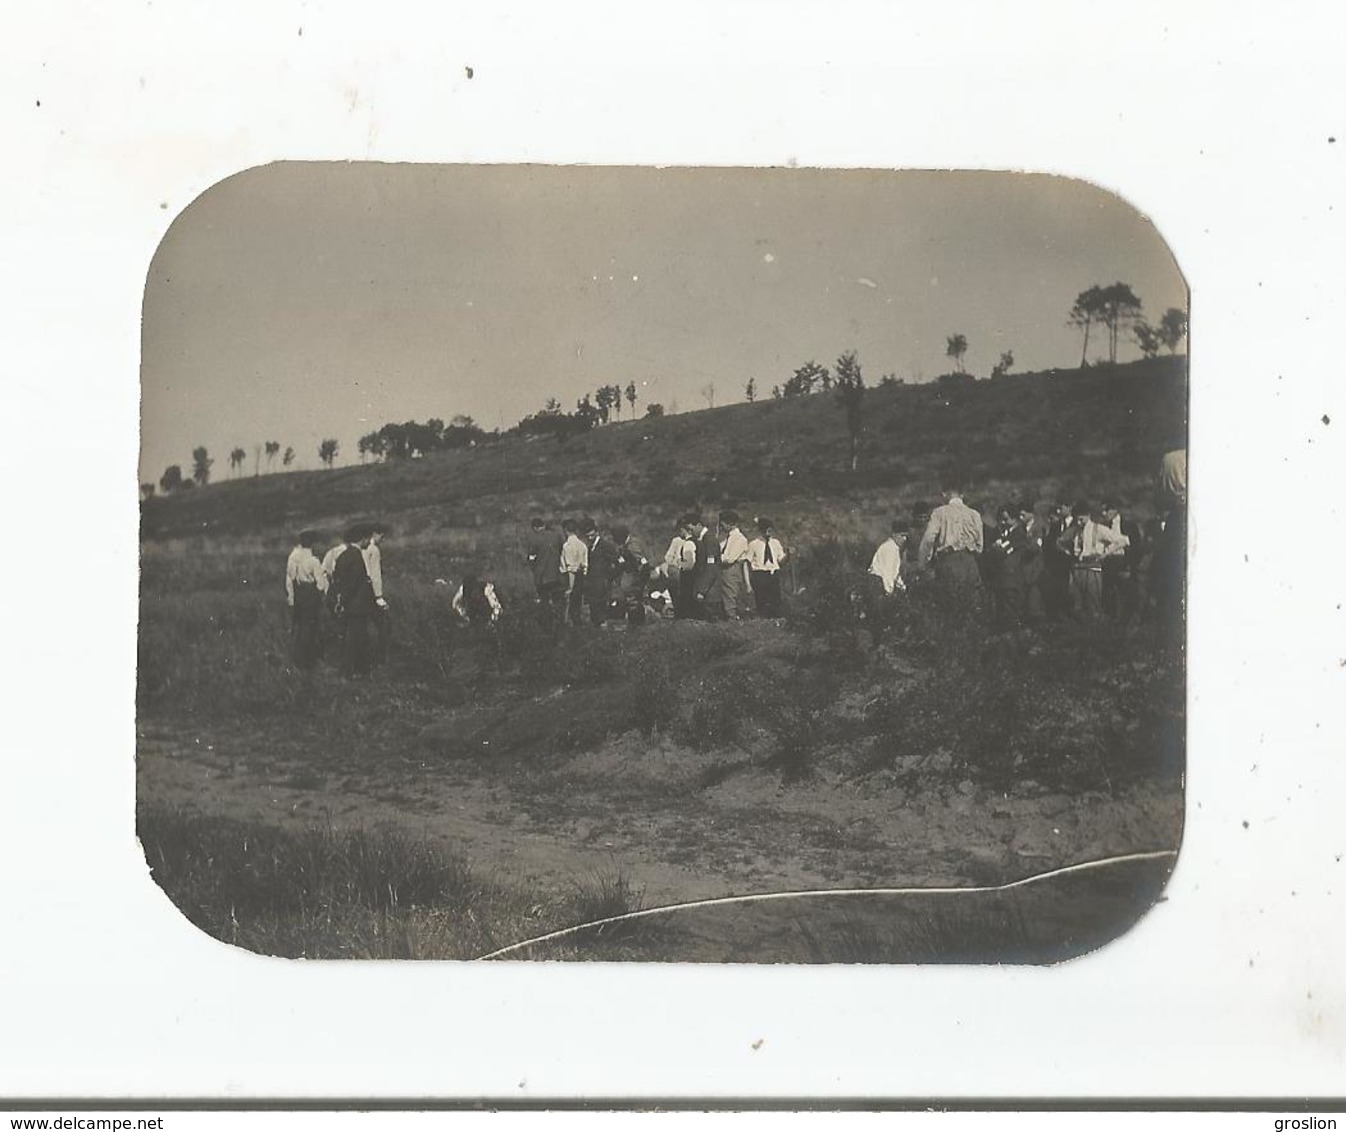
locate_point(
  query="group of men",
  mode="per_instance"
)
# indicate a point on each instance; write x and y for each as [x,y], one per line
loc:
[704,574]
[1081,561]
[348,583]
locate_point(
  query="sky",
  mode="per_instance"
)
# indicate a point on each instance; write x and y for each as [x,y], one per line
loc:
[300,301]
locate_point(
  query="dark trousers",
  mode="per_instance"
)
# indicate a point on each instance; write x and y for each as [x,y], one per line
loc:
[1168,571]
[600,604]
[683,588]
[575,600]
[1010,602]
[766,592]
[1120,594]
[881,608]
[306,616]
[355,651]
[1056,591]
[1033,604]
[958,577]
[1086,593]
[382,623]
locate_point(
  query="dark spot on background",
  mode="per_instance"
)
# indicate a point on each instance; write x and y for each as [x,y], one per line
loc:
[1326,419]
[468,71]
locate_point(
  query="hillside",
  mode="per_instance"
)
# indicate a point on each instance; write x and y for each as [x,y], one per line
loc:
[1042,435]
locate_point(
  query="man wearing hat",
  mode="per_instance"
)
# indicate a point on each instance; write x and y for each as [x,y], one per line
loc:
[354,601]
[600,572]
[544,561]
[305,583]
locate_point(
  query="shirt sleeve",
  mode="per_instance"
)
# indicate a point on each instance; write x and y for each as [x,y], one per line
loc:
[291,567]
[458,603]
[928,540]
[374,560]
[492,601]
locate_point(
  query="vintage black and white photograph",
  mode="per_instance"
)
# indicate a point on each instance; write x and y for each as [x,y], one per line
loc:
[693,564]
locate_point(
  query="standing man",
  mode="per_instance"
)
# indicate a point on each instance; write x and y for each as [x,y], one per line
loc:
[680,568]
[600,571]
[1168,569]
[885,583]
[953,541]
[338,623]
[765,555]
[733,567]
[305,584]
[1035,533]
[631,574]
[574,566]
[910,542]
[706,579]
[1056,565]
[354,602]
[1120,599]
[379,617]
[544,561]
[1087,541]
[1007,557]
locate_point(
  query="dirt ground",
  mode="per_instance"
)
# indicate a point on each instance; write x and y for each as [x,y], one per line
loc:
[681,825]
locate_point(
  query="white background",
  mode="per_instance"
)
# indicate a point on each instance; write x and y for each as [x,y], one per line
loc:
[1214,119]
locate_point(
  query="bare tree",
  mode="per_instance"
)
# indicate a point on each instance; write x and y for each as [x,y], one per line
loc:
[850,390]
[708,392]
[272,451]
[288,458]
[327,451]
[236,458]
[750,390]
[631,396]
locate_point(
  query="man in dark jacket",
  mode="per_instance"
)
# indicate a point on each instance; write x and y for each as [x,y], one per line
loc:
[544,561]
[354,602]
[1006,559]
[1056,565]
[706,579]
[602,569]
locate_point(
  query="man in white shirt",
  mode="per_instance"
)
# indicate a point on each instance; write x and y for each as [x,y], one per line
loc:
[733,566]
[574,565]
[1088,541]
[765,555]
[476,601]
[305,583]
[329,560]
[885,583]
[382,620]
[886,565]
[680,570]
